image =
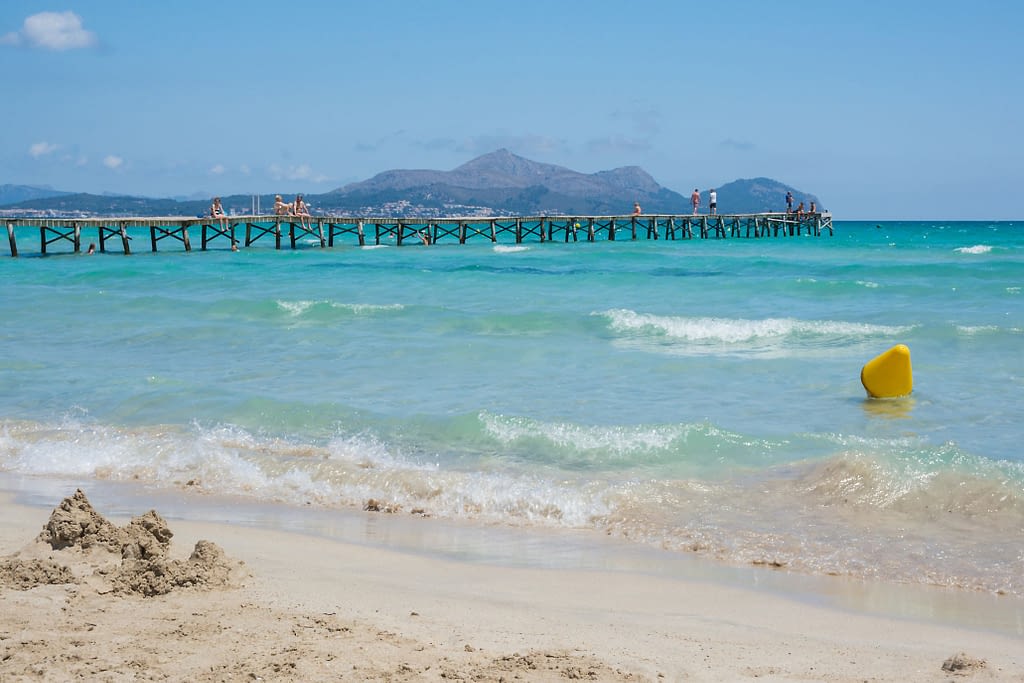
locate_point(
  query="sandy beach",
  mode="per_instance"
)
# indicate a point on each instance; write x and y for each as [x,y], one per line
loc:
[288,606]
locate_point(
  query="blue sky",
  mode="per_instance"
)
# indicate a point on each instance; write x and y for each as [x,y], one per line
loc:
[883,109]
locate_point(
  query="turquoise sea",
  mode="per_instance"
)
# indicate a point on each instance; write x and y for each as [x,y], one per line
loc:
[700,397]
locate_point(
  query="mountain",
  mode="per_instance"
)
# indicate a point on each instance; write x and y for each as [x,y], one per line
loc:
[758,195]
[11,194]
[496,184]
[510,184]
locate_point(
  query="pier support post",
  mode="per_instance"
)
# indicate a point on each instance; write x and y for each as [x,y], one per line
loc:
[277,233]
[125,238]
[11,240]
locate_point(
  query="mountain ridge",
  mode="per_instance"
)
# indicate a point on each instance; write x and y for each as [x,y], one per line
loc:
[497,183]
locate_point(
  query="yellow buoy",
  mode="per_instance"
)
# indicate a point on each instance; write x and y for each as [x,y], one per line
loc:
[888,375]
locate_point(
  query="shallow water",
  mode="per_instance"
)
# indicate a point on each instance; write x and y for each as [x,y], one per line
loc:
[697,396]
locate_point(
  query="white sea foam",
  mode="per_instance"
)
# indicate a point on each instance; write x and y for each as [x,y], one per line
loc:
[348,471]
[375,246]
[971,330]
[737,330]
[296,308]
[976,249]
[363,309]
[621,440]
[508,249]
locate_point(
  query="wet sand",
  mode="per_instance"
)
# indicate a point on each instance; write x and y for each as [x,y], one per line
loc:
[306,606]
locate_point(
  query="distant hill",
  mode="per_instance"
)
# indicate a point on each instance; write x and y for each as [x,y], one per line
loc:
[759,195]
[510,184]
[111,205]
[498,183]
[11,194]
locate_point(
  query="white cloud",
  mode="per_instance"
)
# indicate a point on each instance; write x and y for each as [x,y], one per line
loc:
[52,31]
[217,169]
[300,172]
[244,168]
[113,161]
[40,149]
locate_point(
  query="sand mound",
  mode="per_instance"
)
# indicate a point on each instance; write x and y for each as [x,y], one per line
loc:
[144,566]
[75,523]
[157,575]
[24,574]
[961,663]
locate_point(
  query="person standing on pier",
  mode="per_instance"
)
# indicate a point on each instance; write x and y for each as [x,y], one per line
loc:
[789,202]
[695,200]
[713,202]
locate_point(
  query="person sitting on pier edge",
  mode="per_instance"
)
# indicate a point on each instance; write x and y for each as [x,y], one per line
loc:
[280,207]
[302,211]
[217,212]
[789,202]
[713,202]
[799,209]
[813,208]
[695,200]
[636,209]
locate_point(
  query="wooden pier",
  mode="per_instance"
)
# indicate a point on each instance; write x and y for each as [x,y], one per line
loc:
[116,234]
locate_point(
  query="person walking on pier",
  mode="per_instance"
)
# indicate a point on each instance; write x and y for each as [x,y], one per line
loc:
[695,200]
[713,202]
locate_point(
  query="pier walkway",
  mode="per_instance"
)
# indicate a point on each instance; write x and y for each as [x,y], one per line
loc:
[117,234]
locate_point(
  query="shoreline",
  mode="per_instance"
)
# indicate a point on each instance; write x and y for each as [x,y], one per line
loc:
[614,613]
